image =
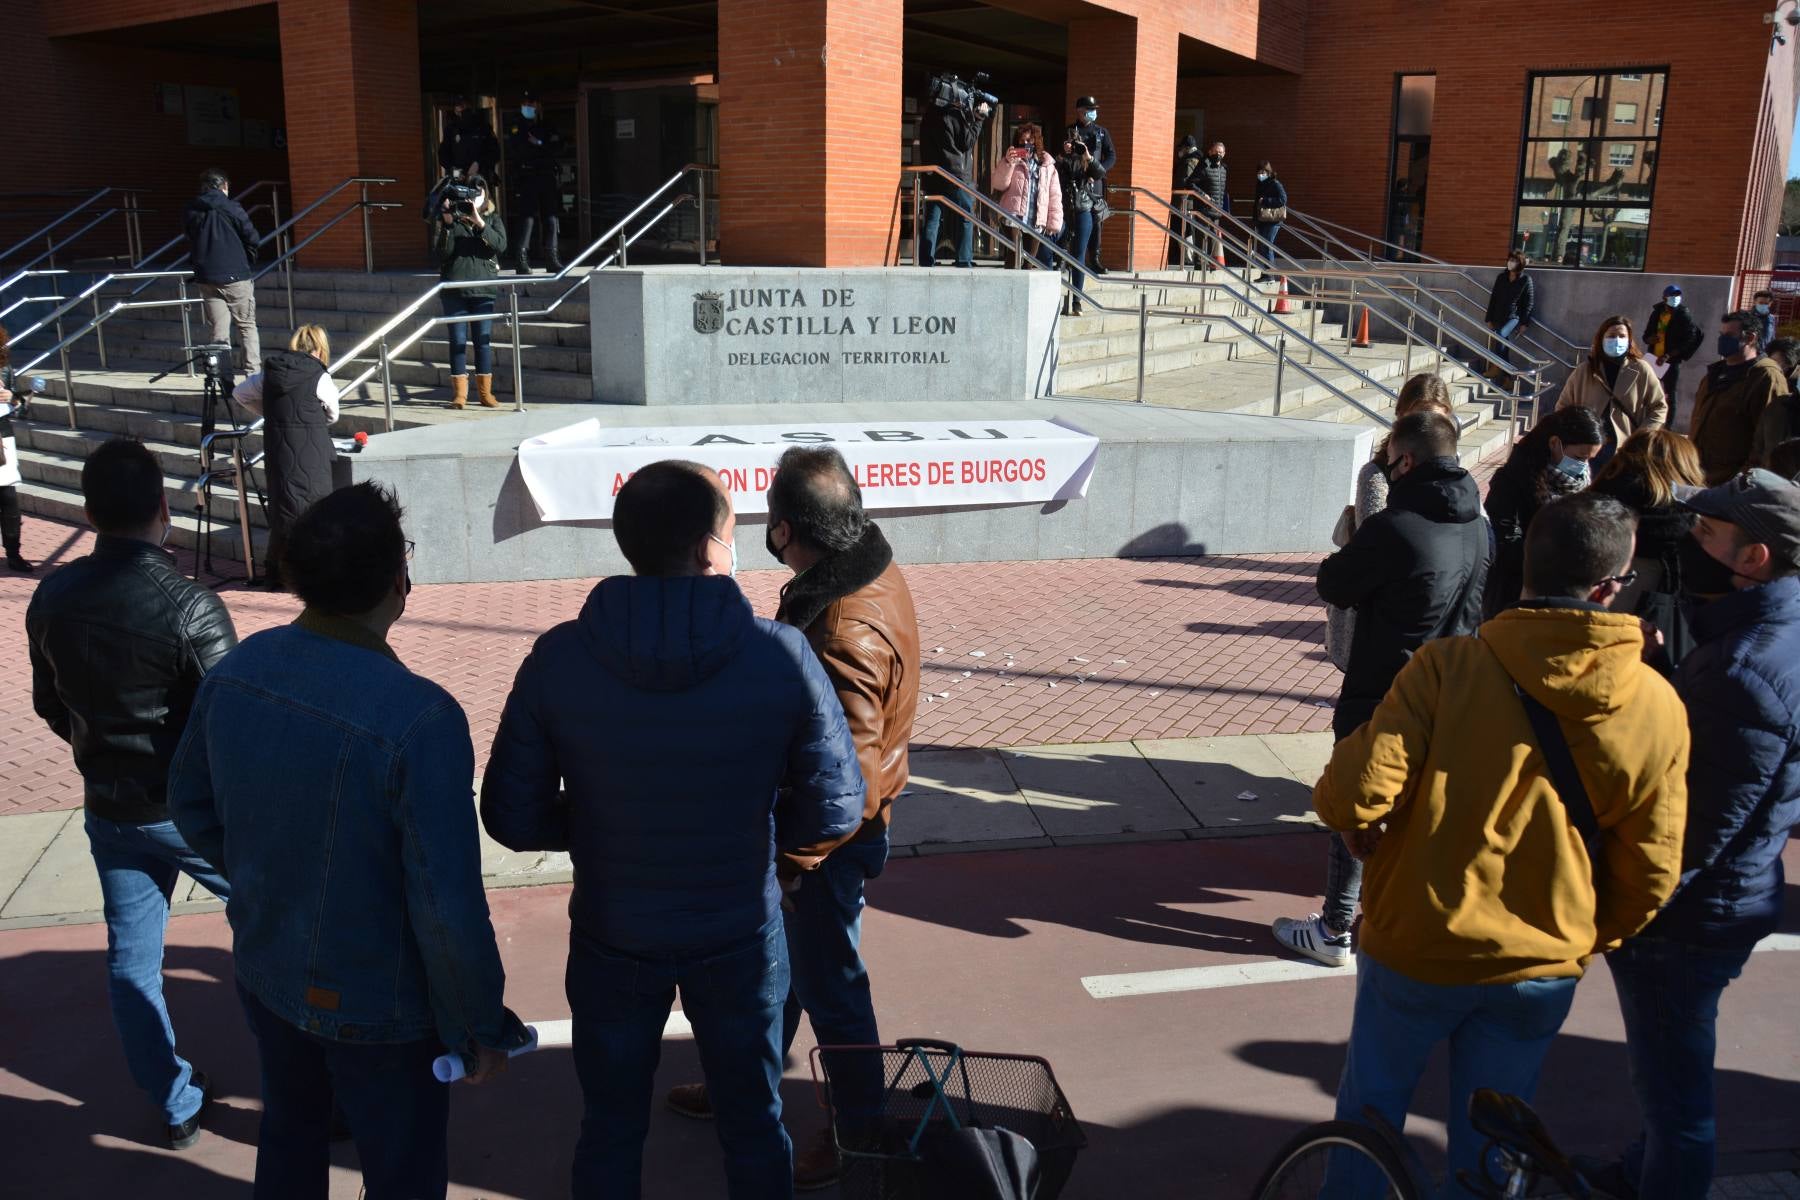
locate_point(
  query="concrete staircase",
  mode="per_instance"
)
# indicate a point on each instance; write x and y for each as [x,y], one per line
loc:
[1201,361]
[1198,361]
[166,415]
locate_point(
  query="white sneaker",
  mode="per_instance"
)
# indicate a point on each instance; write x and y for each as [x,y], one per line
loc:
[1307,936]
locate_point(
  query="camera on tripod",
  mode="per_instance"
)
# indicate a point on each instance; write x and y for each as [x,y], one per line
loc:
[948,91]
[214,360]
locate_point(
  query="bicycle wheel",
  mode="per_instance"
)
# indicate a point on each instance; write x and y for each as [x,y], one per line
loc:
[1337,1160]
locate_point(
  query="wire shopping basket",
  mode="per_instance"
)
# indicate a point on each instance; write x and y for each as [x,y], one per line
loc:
[892,1106]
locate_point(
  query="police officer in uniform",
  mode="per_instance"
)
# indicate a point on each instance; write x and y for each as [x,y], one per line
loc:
[532,152]
[1086,129]
[469,147]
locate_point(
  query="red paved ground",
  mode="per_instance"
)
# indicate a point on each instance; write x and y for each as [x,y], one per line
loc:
[1141,648]
[1184,1095]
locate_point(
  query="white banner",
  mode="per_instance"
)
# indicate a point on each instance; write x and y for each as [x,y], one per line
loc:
[573,473]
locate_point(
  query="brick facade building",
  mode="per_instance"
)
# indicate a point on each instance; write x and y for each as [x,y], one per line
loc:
[1661,151]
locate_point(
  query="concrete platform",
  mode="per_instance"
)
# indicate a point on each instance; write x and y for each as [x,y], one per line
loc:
[1167,482]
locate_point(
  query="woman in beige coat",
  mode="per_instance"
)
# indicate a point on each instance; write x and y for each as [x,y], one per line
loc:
[1618,385]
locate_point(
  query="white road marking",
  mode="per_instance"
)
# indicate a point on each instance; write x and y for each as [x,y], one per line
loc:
[1196,979]
[561,1033]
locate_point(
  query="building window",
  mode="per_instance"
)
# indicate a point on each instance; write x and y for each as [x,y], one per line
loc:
[1586,181]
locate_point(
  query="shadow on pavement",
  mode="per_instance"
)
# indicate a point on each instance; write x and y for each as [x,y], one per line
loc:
[1160,901]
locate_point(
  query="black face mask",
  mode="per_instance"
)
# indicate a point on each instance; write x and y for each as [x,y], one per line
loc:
[769,544]
[1702,575]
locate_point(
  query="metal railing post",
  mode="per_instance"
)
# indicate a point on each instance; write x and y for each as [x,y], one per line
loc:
[50,244]
[623,245]
[99,332]
[1143,340]
[918,222]
[518,353]
[700,207]
[368,239]
[1280,369]
[387,388]
[1406,364]
[243,507]
[1131,244]
[1313,337]
[187,324]
[1350,316]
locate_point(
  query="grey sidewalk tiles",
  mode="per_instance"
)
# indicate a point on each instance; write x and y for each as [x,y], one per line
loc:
[958,801]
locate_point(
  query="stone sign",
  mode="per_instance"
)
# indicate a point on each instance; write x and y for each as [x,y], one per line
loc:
[713,335]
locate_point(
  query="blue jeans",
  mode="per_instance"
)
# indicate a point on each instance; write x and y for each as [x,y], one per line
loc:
[734,1001]
[138,865]
[397,1112]
[1498,1036]
[1076,239]
[1268,232]
[1669,996]
[1505,331]
[965,230]
[457,304]
[831,984]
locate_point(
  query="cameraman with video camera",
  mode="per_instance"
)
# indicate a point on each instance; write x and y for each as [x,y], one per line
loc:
[468,240]
[1088,150]
[950,132]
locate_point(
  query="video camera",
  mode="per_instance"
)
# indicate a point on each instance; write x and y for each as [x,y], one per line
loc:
[214,360]
[948,91]
[461,198]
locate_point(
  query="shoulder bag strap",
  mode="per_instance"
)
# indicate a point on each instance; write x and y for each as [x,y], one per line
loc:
[1563,775]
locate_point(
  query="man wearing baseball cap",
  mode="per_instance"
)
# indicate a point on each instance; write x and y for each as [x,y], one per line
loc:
[1672,338]
[1741,685]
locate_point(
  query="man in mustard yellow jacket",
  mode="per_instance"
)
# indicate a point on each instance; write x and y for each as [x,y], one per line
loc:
[1482,905]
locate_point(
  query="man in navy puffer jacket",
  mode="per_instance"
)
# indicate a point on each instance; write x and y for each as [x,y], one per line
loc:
[1741,685]
[672,742]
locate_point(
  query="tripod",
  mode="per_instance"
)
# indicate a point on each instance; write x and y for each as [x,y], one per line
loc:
[214,360]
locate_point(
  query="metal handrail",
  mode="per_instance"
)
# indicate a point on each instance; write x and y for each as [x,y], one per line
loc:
[1477,334]
[617,237]
[1425,262]
[1144,311]
[24,300]
[129,194]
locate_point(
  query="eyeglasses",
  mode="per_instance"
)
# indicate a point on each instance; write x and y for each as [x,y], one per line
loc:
[1624,581]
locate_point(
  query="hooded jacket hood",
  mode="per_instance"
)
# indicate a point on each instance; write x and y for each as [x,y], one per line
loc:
[1582,663]
[665,635]
[1440,491]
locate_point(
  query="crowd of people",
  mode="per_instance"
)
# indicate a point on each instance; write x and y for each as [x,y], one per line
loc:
[721,782]
[1609,766]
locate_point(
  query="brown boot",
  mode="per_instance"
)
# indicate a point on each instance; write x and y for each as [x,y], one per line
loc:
[815,1163]
[691,1100]
[459,391]
[484,391]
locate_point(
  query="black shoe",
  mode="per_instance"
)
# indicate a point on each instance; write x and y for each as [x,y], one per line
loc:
[188,1132]
[1100,268]
[522,266]
[18,562]
[1606,1178]
[556,266]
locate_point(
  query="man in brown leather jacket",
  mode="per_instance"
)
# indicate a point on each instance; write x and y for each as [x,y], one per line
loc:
[850,598]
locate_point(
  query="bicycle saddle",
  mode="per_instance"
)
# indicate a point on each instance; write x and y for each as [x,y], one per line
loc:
[1515,1125]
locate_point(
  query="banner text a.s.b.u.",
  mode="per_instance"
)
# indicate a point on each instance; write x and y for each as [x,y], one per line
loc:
[573,474]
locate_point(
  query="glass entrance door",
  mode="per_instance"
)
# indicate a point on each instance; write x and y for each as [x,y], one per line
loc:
[1414,98]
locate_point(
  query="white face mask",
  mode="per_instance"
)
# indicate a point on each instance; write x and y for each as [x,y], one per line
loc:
[1262,176]
[732,547]
[1673,301]
[528,112]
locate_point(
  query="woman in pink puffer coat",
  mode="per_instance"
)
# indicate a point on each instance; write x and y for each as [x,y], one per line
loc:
[1030,190]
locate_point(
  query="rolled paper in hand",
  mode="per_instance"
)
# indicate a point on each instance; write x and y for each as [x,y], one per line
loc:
[448,1068]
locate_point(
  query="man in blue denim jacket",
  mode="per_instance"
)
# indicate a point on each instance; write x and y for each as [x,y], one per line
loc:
[332,787]
[672,742]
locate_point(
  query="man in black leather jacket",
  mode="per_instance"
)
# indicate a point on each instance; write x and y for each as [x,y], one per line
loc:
[119,641]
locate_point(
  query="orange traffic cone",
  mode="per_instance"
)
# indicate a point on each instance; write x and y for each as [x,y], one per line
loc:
[1219,253]
[1282,307]
[1362,329]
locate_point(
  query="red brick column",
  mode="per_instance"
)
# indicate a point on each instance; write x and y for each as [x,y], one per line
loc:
[809,131]
[350,74]
[1129,65]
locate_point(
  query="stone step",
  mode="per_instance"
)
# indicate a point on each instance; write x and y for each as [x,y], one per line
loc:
[372,308]
[61,503]
[345,330]
[1166,334]
[429,351]
[1193,351]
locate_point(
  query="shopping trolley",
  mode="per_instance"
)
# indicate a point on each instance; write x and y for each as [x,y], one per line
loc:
[895,1110]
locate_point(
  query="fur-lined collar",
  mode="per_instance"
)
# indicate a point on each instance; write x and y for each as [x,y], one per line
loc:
[829,580]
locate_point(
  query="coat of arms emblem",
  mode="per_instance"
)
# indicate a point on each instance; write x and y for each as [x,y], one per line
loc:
[709,312]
